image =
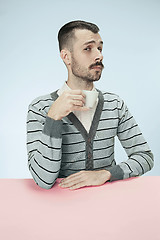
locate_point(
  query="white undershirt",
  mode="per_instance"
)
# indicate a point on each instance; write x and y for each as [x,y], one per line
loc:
[85,117]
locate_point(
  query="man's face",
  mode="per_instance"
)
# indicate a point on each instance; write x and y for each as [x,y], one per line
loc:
[87,55]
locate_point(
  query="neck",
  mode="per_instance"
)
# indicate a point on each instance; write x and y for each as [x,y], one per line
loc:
[78,83]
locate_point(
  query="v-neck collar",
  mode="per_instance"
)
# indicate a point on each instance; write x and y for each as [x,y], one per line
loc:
[94,125]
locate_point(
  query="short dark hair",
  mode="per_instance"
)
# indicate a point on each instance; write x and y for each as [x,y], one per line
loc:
[66,33]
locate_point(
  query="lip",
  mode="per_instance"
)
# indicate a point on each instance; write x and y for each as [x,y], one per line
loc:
[97,67]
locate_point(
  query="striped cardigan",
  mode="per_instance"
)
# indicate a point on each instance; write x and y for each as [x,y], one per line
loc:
[59,148]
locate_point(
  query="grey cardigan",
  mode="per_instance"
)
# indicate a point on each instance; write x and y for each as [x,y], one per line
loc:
[57,149]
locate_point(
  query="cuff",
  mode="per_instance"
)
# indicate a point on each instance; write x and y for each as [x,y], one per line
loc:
[53,128]
[116,173]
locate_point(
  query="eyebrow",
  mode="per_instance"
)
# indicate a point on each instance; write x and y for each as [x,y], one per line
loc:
[101,42]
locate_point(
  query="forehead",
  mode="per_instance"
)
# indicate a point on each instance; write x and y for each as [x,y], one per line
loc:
[84,36]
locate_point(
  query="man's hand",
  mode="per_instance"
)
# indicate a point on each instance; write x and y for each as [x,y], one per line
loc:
[68,102]
[85,178]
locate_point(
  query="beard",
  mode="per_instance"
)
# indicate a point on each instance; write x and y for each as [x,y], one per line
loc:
[84,73]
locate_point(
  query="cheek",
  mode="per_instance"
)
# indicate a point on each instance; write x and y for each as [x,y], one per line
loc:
[84,60]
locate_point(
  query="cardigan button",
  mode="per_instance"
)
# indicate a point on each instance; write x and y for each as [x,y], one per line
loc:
[89,140]
[89,155]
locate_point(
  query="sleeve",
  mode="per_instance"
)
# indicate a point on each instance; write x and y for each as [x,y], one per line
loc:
[140,158]
[44,142]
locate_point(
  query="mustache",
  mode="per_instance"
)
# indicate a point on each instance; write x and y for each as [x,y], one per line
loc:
[97,64]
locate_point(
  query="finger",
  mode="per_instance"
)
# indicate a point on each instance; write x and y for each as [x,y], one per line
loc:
[73,179]
[78,103]
[84,108]
[78,185]
[77,92]
[78,98]
[76,108]
[73,185]
[72,176]
[70,183]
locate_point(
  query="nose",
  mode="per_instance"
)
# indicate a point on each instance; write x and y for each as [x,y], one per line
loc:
[98,56]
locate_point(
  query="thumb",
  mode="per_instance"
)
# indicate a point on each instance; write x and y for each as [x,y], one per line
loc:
[84,108]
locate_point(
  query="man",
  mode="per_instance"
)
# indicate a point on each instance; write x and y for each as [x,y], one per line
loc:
[66,139]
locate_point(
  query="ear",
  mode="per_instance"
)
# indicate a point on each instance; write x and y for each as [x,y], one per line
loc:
[66,56]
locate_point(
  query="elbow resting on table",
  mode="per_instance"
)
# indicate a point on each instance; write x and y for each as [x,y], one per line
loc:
[42,179]
[45,186]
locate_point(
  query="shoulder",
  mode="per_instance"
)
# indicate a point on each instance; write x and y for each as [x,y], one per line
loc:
[40,101]
[113,100]
[110,97]
[41,104]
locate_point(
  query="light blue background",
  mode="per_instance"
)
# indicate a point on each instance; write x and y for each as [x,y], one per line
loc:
[30,65]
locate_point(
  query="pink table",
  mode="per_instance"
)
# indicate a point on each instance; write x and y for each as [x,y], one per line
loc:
[122,210]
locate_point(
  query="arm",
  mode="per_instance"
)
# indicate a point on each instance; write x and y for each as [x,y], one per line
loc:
[44,135]
[140,157]
[44,142]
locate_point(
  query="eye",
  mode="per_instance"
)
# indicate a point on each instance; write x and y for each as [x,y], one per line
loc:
[99,48]
[87,49]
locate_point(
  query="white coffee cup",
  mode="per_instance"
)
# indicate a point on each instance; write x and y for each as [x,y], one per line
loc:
[91,98]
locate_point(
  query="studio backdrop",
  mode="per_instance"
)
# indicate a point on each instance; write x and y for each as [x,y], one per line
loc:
[30,65]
